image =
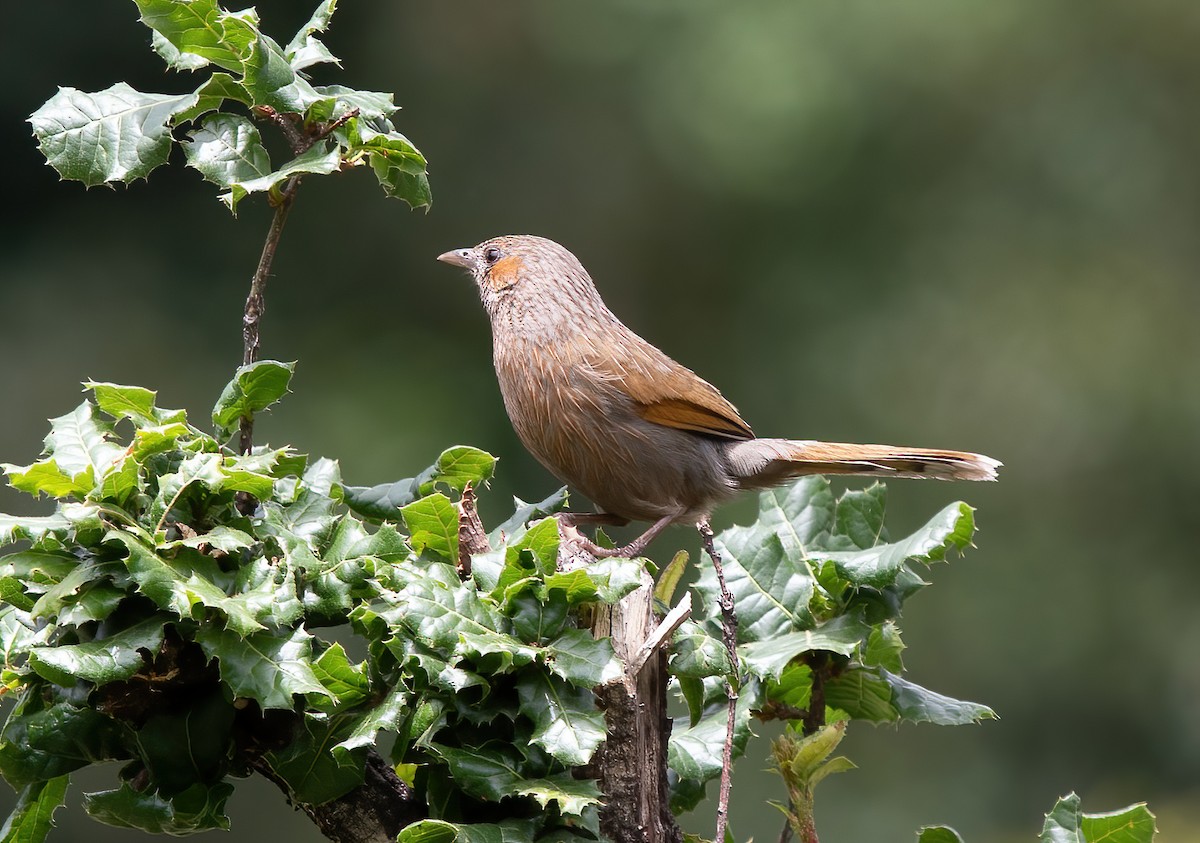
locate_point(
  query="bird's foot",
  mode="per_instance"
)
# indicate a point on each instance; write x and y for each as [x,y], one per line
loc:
[579,543]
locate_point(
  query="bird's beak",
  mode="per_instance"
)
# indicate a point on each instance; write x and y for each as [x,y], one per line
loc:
[459,257]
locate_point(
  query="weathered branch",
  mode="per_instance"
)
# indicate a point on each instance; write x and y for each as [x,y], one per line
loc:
[632,764]
[374,812]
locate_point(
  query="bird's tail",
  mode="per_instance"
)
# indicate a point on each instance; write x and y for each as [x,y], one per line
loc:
[761,463]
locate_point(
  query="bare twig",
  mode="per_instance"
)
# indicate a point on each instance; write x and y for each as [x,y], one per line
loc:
[255,304]
[655,639]
[729,634]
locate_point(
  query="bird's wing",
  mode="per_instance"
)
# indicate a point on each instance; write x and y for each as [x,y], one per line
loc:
[669,394]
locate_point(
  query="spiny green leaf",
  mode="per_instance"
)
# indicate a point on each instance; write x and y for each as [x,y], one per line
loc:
[537,619]
[80,443]
[305,50]
[433,525]
[1067,823]
[858,515]
[12,592]
[920,705]
[269,667]
[768,658]
[347,683]
[272,81]
[383,502]
[175,586]
[212,471]
[317,160]
[462,466]
[33,528]
[695,753]
[46,477]
[254,387]
[370,104]
[862,694]
[367,723]
[117,134]
[211,95]
[398,165]
[101,661]
[884,647]
[583,660]
[314,773]
[43,743]
[67,590]
[33,815]
[135,403]
[770,588]
[607,580]
[199,808]
[438,608]
[566,722]
[950,529]
[938,834]
[699,651]
[512,529]
[493,772]
[202,28]
[227,148]
[267,592]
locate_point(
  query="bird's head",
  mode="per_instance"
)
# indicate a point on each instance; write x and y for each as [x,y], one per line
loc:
[521,268]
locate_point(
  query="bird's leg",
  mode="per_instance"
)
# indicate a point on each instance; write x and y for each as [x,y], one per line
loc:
[634,548]
[576,519]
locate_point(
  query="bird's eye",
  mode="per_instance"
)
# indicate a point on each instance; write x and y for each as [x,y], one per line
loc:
[491,254]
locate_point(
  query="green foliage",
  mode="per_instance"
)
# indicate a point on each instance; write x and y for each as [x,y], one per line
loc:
[148,620]
[818,589]
[121,134]
[1066,823]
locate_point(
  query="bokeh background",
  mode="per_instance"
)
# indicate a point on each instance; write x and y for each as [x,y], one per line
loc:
[959,223]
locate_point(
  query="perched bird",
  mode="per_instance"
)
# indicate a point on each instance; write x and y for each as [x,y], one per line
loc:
[643,437]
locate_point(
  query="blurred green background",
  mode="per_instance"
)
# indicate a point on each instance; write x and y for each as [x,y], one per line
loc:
[959,223]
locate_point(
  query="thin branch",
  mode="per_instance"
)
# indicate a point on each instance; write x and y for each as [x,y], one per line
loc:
[729,634]
[255,303]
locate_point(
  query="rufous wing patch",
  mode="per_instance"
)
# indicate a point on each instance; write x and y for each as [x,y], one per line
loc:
[685,415]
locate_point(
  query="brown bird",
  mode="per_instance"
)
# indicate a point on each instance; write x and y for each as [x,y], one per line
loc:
[643,437]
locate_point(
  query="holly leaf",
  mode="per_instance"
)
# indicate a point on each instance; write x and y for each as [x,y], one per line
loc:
[115,135]
[1067,823]
[202,28]
[101,661]
[33,815]
[566,722]
[269,667]
[314,773]
[583,660]
[767,659]
[198,808]
[254,388]
[432,523]
[227,148]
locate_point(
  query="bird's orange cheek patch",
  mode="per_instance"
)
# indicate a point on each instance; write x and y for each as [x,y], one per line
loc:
[504,272]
